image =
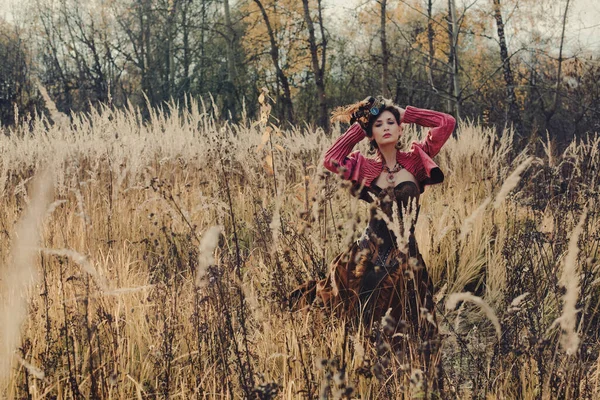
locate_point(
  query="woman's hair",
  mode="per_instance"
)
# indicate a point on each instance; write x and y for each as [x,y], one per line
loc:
[344,113]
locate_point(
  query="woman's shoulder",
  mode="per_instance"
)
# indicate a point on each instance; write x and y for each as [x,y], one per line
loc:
[370,161]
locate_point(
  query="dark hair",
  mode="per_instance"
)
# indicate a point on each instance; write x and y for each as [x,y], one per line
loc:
[373,118]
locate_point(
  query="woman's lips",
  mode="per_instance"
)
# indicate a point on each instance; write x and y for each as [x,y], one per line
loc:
[387,135]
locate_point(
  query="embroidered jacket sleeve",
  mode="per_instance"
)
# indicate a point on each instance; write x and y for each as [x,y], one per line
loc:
[341,159]
[441,125]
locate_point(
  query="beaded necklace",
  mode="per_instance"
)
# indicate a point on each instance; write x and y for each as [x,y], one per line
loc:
[391,172]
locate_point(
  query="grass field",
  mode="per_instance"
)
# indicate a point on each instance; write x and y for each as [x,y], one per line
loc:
[153,259]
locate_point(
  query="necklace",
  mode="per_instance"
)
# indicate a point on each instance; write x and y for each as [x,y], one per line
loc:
[391,172]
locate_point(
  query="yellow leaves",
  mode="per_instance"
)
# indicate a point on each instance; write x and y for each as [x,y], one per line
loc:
[265,138]
[268,164]
[268,160]
[286,18]
[406,12]
[265,107]
[261,97]
[265,112]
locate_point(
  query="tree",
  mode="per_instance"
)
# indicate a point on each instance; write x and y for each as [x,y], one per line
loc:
[555,101]
[275,24]
[442,57]
[318,63]
[17,91]
[511,100]
[453,56]
[385,54]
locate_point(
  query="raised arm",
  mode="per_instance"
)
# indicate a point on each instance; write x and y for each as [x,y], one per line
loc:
[338,158]
[441,125]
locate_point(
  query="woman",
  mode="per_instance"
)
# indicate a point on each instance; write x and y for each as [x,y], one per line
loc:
[383,272]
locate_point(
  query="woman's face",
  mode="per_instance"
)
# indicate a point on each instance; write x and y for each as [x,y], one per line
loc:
[386,129]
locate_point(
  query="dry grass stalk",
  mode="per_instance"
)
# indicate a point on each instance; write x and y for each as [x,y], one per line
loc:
[155,312]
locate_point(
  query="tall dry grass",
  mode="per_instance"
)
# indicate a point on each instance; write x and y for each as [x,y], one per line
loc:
[140,295]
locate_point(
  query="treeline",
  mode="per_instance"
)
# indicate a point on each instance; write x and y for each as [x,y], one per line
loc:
[497,61]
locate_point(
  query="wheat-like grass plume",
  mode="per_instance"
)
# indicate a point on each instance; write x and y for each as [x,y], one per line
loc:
[85,265]
[275,225]
[58,116]
[570,280]
[454,298]
[19,273]
[511,182]
[467,224]
[208,244]
[515,305]
[32,369]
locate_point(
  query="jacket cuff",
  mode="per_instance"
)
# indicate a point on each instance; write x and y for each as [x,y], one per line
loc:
[355,133]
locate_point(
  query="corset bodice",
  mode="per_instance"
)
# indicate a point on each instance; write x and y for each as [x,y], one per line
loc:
[406,196]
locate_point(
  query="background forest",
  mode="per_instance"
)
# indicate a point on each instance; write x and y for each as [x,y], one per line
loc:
[496,61]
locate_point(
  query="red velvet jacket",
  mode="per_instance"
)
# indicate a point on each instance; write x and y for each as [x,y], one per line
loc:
[418,161]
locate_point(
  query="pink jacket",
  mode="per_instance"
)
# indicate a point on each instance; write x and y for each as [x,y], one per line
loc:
[359,169]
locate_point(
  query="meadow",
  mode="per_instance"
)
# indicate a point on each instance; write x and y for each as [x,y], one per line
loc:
[153,259]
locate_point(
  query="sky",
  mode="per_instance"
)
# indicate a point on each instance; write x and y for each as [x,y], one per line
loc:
[583,24]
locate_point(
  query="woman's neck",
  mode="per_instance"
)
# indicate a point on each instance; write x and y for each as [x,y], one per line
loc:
[389,155]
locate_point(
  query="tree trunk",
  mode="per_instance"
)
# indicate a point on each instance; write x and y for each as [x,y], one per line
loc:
[286,99]
[230,88]
[513,108]
[323,99]
[230,43]
[318,70]
[385,56]
[430,37]
[171,21]
[185,85]
[202,45]
[453,57]
[555,100]
[144,58]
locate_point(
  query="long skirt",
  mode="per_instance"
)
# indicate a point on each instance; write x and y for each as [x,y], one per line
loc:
[398,296]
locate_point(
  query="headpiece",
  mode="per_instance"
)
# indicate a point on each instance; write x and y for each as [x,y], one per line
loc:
[376,105]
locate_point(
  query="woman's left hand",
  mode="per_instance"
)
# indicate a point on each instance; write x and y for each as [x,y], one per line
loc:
[401,111]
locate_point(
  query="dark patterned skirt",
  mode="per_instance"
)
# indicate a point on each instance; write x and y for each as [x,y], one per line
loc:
[397,295]
[356,286]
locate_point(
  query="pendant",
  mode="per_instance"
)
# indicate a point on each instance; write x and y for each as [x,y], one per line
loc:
[390,178]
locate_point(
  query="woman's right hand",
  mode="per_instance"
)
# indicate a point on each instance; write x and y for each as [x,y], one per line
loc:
[362,114]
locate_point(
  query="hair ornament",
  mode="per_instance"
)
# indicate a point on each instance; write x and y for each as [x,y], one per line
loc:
[377,105]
